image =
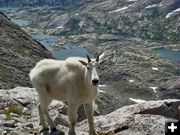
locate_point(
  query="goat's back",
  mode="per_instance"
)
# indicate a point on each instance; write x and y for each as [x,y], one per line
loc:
[58,76]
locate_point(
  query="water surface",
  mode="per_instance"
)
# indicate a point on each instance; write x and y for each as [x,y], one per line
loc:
[63,54]
[168,54]
[20,22]
[48,40]
[45,40]
[8,9]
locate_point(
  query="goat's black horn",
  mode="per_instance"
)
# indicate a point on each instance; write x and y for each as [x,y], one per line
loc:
[97,58]
[89,59]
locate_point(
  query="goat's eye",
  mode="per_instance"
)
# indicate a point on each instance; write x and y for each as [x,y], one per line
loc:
[99,67]
[87,67]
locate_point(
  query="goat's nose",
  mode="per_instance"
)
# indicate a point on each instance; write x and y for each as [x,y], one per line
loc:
[95,81]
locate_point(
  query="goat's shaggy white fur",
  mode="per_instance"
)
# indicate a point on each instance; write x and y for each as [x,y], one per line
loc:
[67,80]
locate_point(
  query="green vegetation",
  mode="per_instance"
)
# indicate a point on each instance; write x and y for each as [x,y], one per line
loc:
[69,8]
[12,109]
[3,72]
[145,65]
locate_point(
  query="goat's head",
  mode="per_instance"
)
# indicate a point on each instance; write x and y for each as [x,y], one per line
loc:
[92,68]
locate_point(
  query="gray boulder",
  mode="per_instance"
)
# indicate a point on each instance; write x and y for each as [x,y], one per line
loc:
[144,118]
[138,119]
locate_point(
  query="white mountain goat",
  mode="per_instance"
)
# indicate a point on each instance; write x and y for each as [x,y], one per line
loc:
[74,80]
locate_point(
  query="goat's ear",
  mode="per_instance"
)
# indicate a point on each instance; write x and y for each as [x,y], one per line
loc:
[101,56]
[83,62]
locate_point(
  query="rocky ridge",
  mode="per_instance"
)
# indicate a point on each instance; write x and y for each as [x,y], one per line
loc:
[147,19]
[19,115]
[19,53]
[60,3]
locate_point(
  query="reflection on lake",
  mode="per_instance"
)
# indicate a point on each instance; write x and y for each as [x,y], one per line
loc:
[8,9]
[47,40]
[20,22]
[63,54]
[168,54]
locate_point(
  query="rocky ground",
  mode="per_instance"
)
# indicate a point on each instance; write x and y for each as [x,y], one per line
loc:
[19,115]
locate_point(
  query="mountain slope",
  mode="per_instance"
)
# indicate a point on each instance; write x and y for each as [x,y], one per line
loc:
[129,30]
[44,2]
[148,19]
[18,53]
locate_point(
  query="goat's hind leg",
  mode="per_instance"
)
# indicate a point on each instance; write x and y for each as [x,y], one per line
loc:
[44,106]
[41,117]
[45,100]
[50,121]
[54,131]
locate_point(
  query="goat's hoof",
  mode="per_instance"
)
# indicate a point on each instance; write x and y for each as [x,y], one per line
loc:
[44,130]
[71,132]
[61,133]
[93,133]
[53,129]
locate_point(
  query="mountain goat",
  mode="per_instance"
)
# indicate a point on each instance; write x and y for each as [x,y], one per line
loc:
[74,80]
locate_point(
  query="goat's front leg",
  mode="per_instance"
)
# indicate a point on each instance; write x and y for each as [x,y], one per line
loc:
[72,115]
[89,114]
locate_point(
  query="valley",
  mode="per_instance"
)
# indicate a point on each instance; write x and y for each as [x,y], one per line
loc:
[130,57]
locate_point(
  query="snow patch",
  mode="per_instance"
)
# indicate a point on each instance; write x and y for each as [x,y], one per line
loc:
[101,85]
[102,91]
[118,10]
[60,27]
[131,0]
[131,81]
[172,13]
[152,6]
[155,68]
[154,89]
[160,5]
[137,100]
